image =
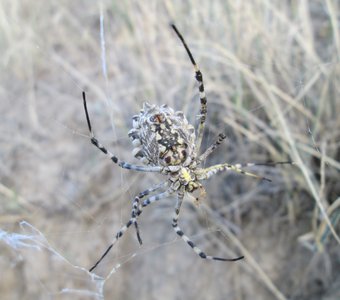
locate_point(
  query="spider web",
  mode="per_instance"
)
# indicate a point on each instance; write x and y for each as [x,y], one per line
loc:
[30,246]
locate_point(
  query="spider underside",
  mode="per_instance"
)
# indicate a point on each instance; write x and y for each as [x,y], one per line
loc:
[166,143]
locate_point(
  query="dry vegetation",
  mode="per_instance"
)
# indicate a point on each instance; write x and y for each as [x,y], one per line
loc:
[272,77]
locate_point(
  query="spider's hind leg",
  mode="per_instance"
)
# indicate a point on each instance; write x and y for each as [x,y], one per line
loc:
[135,213]
[179,232]
[137,206]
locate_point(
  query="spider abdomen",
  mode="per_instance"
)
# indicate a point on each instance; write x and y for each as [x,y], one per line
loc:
[162,137]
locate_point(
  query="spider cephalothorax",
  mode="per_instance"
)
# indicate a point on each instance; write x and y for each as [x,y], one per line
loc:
[183,177]
[162,137]
[166,144]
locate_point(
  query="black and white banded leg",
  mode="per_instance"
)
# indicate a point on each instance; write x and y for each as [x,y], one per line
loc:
[203,98]
[110,155]
[212,148]
[179,231]
[211,171]
[136,212]
[268,163]
[137,207]
[208,172]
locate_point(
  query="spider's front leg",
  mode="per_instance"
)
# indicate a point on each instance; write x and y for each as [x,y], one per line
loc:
[179,231]
[203,98]
[110,155]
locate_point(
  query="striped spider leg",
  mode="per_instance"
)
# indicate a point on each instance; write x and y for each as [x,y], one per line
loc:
[210,171]
[203,98]
[110,155]
[135,213]
[178,230]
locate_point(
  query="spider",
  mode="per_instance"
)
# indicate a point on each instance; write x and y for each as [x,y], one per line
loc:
[166,143]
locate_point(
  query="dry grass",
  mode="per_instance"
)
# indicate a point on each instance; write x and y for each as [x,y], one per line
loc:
[272,77]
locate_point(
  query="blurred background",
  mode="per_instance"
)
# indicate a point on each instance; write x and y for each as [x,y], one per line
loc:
[272,78]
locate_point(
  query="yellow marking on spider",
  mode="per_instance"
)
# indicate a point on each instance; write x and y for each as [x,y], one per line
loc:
[186,175]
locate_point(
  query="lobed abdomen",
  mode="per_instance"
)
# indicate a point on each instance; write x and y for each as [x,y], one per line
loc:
[162,137]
